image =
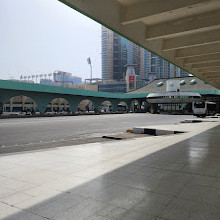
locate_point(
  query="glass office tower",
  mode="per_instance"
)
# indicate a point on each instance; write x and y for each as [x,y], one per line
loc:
[118,51]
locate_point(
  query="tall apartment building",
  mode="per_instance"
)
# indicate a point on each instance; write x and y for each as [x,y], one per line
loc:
[107,54]
[118,51]
[177,72]
[183,73]
[154,64]
[114,55]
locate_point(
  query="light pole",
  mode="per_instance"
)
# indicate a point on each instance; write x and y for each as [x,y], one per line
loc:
[90,63]
[41,76]
[50,74]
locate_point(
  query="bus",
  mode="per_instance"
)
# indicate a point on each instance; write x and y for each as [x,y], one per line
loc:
[204,108]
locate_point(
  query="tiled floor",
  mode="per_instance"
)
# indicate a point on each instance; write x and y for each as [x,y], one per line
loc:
[167,177]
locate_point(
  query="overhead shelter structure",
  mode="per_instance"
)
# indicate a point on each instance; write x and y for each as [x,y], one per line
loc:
[42,96]
[187,85]
[185,33]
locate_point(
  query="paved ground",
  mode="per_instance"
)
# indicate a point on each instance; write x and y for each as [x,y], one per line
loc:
[165,177]
[36,132]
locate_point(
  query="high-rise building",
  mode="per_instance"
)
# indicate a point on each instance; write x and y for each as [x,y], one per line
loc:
[183,73]
[107,54]
[111,55]
[117,74]
[117,52]
[157,65]
[177,72]
[133,55]
[124,57]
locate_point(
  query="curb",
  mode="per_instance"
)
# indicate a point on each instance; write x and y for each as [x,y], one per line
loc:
[152,131]
[192,121]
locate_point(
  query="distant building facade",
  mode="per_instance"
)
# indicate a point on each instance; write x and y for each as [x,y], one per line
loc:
[107,54]
[59,78]
[65,78]
[47,82]
[118,52]
[114,87]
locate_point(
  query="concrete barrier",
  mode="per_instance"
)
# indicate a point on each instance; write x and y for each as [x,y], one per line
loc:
[152,131]
[192,121]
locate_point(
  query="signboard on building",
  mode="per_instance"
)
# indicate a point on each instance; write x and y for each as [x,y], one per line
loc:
[131,79]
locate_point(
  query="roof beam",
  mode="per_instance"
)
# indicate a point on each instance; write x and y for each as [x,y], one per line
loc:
[213,81]
[206,65]
[207,70]
[138,12]
[197,51]
[198,23]
[196,39]
[212,74]
[202,59]
[200,18]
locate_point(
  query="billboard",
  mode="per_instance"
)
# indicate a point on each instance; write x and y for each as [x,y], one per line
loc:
[131,79]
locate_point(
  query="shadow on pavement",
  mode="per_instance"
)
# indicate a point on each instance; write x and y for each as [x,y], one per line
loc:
[178,182]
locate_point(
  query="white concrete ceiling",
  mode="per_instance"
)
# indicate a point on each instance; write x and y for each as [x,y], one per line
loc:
[184,32]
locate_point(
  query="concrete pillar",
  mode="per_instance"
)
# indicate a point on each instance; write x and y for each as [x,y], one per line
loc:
[132,105]
[128,103]
[96,106]
[33,106]
[42,106]
[74,101]
[1,107]
[22,102]
[115,105]
[11,104]
[42,109]
[97,103]
[51,105]
[59,101]
[74,107]
[139,104]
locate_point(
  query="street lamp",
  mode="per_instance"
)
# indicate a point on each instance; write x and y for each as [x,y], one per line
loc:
[41,76]
[90,63]
[49,75]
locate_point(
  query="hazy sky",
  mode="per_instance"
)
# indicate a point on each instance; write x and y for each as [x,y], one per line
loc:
[41,36]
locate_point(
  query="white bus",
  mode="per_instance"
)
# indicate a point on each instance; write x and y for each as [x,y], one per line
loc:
[204,108]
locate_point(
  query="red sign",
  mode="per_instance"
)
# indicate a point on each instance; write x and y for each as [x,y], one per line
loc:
[131,79]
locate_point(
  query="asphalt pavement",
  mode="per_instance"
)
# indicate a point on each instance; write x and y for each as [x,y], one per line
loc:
[58,130]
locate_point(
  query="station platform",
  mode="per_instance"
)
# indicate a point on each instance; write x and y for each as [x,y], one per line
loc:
[156,177]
